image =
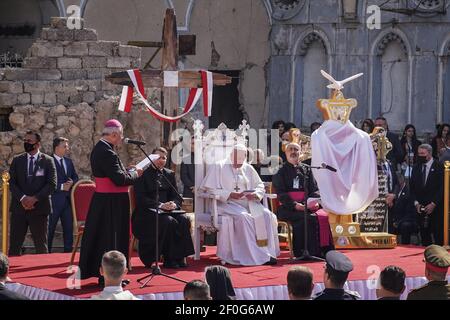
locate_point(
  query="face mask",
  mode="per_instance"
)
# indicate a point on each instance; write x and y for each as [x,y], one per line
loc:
[28,146]
[422,159]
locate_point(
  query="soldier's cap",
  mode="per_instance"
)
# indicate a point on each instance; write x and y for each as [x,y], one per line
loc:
[338,261]
[437,258]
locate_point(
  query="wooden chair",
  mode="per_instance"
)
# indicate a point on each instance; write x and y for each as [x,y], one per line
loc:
[80,198]
[285,226]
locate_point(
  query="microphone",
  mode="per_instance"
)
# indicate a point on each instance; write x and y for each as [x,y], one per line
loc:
[325,166]
[136,142]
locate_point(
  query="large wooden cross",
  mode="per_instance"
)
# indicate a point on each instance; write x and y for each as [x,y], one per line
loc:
[155,78]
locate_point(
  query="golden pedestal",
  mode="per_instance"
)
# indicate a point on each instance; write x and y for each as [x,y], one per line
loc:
[346,235]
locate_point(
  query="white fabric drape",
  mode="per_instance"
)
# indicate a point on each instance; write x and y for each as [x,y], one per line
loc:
[365,288]
[355,184]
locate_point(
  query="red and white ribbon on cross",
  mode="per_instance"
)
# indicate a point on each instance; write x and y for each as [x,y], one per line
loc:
[170,79]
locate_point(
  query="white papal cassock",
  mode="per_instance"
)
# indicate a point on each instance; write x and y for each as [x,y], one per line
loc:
[248,233]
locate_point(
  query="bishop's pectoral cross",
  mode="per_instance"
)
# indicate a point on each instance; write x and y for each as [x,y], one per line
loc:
[155,78]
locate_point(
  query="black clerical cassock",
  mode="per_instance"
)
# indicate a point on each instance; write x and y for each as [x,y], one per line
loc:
[288,184]
[175,240]
[108,221]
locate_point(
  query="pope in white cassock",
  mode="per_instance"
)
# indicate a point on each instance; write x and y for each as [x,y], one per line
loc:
[248,234]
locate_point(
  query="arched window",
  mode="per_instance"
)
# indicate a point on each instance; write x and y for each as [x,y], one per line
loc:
[312,56]
[390,80]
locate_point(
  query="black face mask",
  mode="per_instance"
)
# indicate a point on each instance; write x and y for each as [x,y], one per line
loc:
[422,159]
[28,146]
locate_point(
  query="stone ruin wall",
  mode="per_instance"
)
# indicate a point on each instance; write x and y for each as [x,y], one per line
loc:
[61,91]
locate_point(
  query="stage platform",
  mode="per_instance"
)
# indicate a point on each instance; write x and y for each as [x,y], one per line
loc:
[48,277]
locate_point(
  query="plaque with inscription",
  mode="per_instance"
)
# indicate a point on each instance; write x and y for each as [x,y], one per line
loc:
[374,217]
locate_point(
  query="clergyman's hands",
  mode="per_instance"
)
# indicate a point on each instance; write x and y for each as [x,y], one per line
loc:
[236,195]
[133,168]
[299,207]
[251,196]
[313,206]
[169,206]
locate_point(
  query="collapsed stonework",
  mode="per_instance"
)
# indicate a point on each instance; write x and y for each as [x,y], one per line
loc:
[61,91]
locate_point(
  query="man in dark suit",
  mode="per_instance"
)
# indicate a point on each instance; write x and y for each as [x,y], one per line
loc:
[396,155]
[392,191]
[33,180]
[67,176]
[427,193]
[6,294]
[404,213]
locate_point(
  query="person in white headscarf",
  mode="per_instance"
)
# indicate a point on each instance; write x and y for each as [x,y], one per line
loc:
[248,233]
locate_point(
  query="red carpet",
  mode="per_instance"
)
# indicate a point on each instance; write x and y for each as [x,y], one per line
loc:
[49,271]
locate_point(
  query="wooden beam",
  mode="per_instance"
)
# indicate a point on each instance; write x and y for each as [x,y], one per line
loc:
[169,96]
[155,79]
[146,44]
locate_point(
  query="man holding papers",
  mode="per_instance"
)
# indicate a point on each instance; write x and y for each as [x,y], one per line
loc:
[108,221]
[174,236]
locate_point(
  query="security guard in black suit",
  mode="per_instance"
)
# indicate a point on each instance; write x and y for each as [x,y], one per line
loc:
[337,268]
[33,181]
[437,261]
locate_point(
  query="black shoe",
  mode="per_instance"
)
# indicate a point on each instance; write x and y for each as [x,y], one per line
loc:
[182,263]
[101,281]
[170,264]
[271,262]
[125,282]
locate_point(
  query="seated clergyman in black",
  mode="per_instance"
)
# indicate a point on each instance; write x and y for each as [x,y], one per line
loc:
[290,187]
[175,242]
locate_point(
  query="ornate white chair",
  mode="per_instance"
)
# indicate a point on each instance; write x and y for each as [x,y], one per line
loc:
[210,148]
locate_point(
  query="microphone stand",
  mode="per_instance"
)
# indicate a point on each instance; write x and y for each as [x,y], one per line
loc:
[306,256]
[155,269]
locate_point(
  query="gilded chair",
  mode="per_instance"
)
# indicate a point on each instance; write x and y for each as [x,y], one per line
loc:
[80,198]
[210,148]
[285,227]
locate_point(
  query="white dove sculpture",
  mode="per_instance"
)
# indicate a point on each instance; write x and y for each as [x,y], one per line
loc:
[338,85]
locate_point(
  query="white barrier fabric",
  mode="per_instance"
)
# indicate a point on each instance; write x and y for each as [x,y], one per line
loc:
[366,288]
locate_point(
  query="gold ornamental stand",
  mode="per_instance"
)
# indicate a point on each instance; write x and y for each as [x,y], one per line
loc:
[347,235]
[346,232]
[446,203]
